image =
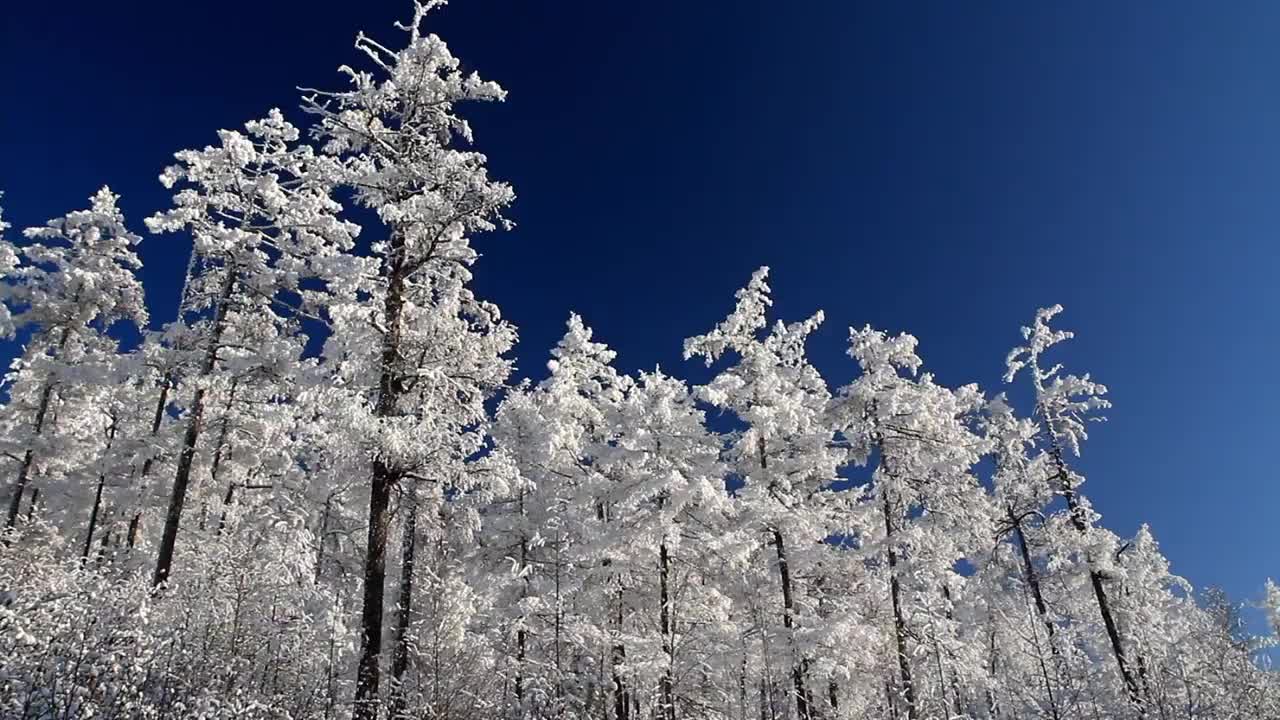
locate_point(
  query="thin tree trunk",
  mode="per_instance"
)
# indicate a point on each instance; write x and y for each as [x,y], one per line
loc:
[993,704]
[1033,585]
[666,683]
[324,534]
[618,653]
[621,697]
[182,478]
[1033,579]
[28,458]
[899,621]
[383,478]
[1081,524]
[955,670]
[97,497]
[219,450]
[24,471]
[404,609]
[521,633]
[804,708]
[93,518]
[559,621]
[161,403]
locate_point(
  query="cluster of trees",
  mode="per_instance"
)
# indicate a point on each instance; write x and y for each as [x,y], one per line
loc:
[203,525]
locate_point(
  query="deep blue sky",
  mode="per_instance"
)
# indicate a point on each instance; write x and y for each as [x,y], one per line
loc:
[943,168]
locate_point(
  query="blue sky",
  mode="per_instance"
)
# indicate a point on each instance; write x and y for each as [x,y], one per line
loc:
[940,168]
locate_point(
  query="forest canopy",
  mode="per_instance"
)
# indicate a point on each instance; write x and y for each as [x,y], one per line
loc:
[321,491]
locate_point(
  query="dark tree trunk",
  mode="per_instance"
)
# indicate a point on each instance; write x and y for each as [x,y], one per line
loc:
[804,708]
[24,471]
[93,518]
[621,697]
[957,700]
[220,449]
[1081,523]
[993,704]
[383,478]
[618,654]
[97,497]
[182,478]
[1033,584]
[1033,579]
[521,634]
[899,621]
[666,689]
[404,609]
[28,458]
[375,574]
[161,403]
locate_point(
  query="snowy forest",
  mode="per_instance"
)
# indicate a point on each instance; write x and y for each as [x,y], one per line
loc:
[322,492]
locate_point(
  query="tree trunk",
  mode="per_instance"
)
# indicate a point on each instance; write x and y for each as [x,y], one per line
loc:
[958,701]
[93,518]
[1042,609]
[182,478]
[161,403]
[24,472]
[993,704]
[28,458]
[521,634]
[1033,579]
[1081,524]
[899,621]
[97,497]
[666,687]
[404,610]
[621,698]
[804,709]
[220,449]
[618,653]
[383,478]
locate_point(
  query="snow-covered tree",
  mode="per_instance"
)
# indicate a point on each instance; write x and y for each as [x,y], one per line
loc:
[930,512]
[785,455]
[396,131]
[582,544]
[259,210]
[72,285]
[1063,405]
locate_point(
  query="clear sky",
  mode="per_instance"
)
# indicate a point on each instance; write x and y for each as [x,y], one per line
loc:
[937,167]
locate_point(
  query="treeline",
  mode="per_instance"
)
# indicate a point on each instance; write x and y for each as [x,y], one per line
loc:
[220,523]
